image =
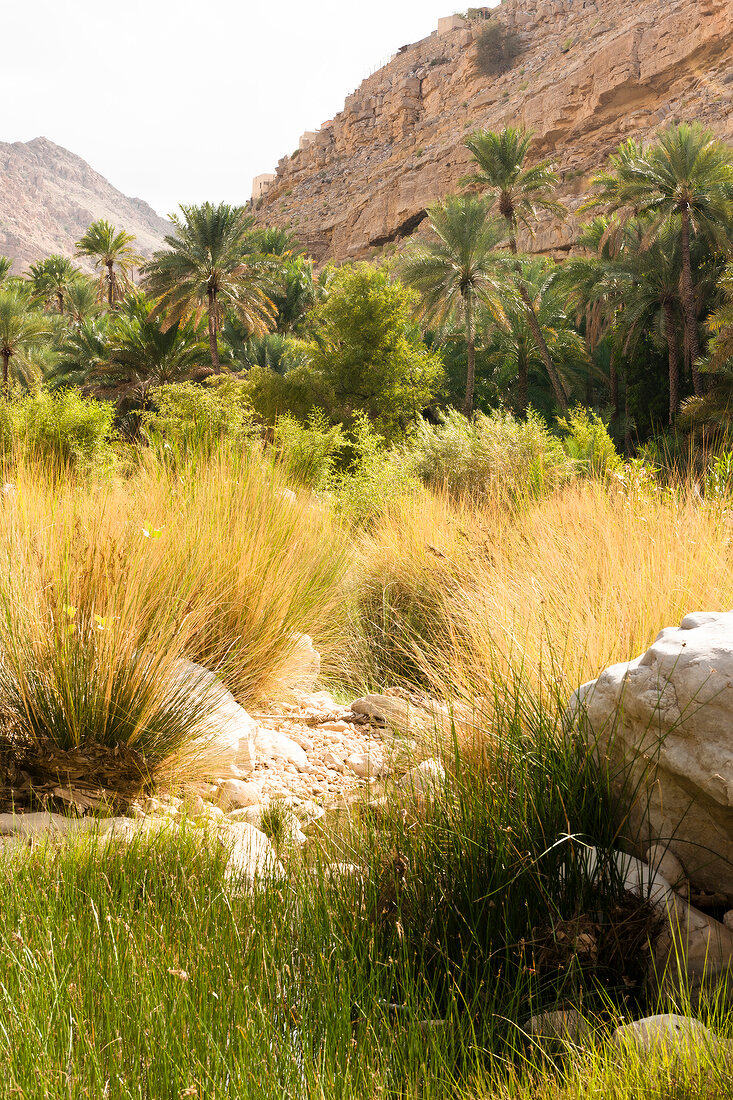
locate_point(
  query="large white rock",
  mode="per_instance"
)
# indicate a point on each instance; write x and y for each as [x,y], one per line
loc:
[694,952]
[664,724]
[252,857]
[671,1038]
[228,733]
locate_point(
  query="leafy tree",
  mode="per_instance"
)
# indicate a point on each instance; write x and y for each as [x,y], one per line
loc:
[22,329]
[459,271]
[685,178]
[52,280]
[110,249]
[207,270]
[369,351]
[518,192]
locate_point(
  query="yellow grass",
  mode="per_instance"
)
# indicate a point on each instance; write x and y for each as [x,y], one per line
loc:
[561,587]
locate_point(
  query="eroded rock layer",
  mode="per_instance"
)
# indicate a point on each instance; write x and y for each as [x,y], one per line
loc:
[591,73]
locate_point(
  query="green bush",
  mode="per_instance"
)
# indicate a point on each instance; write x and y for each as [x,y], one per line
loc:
[308,452]
[587,442]
[373,478]
[62,429]
[188,418]
[488,454]
[496,49]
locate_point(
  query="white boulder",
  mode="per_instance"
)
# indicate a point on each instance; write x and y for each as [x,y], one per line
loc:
[664,724]
[252,857]
[671,1038]
[270,745]
[235,793]
[227,734]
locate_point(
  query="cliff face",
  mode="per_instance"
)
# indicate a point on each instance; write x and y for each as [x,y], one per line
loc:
[48,197]
[591,74]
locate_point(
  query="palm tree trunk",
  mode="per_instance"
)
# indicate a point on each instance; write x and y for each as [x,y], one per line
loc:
[6,372]
[674,365]
[60,300]
[628,441]
[534,327]
[523,384]
[614,387]
[213,346]
[471,356]
[688,303]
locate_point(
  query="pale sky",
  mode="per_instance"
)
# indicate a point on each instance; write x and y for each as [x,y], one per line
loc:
[186,100]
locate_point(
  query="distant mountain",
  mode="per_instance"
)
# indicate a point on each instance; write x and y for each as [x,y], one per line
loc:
[48,197]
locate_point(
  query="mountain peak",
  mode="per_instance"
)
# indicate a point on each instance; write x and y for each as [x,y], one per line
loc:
[48,197]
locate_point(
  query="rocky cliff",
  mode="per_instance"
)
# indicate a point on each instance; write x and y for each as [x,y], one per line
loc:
[48,197]
[590,74]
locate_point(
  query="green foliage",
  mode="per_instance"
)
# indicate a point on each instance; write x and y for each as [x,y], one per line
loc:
[587,441]
[374,477]
[497,49]
[308,453]
[61,429]
[494,454]
[297,392]
[188,419]
[110,249]
[208,269]
[369,352]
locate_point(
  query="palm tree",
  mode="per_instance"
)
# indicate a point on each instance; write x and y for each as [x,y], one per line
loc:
[459,270]
[519,193]
[207,269]
[594,290]
[81,302]
[22,328]
[514,348]
[110,248]
[685,178]
[648,279]
[5,265]
[83,349]
[142,353]
[52,279]
[721,325]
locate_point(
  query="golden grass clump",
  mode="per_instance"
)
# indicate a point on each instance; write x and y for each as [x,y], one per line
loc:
[557,589]
[105,586]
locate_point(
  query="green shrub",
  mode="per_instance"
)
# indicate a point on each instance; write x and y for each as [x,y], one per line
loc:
[373,478]
[493,453]
[307,453]
[496,49]
[188,418]
[587,442]
[62,429]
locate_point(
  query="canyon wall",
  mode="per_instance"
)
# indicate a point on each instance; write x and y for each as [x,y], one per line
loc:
[591,73]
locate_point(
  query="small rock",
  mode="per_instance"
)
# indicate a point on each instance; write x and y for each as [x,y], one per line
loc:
[661,858]
[364,765]
[332,761]
[234,793]
[427,778]
[567,1024]
[271,745]
[251,856]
